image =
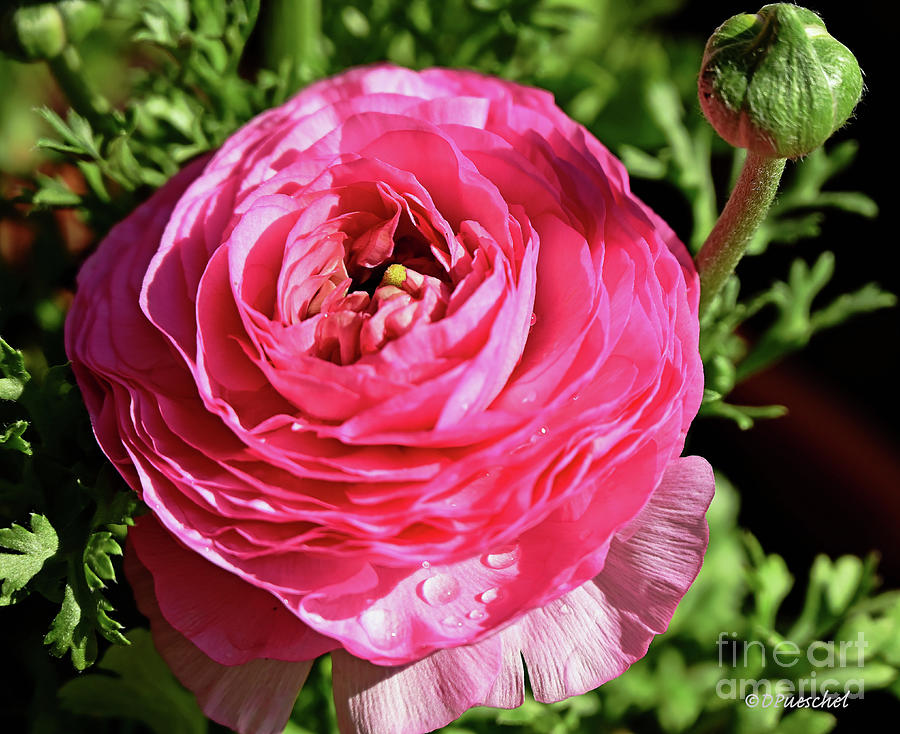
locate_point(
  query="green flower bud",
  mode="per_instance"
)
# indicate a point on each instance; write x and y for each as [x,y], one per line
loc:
[776,82]
[80,17]
[42,31]
[33,32]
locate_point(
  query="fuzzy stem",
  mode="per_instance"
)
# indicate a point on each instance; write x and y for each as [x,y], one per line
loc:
[746,208]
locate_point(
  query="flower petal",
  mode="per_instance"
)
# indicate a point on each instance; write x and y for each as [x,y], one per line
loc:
[253,698]
[196,598]
[418,697]
[595,632]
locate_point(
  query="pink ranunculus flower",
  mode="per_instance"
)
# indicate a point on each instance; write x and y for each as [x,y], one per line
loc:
[403,373]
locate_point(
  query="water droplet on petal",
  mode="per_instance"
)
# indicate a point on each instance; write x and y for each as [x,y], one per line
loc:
[476,614]
[533,319]
[501,558]
[491,595]
[381,627]
[543,430]
[452,622]
[564,609]
[438,590]
[426,564]
[296,427]
[314,617]
[529,397]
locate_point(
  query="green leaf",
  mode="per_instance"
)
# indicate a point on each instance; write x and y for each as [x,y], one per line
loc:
[140,687]
[54,192]
[12,438]
[75,131]
[122,164]
[12,367]
[744,415]
[770,581]
[641,164]
[70,633]
[32,548]
[868,298]
[94,178]
[796,322]
[679,701]
[97,563]
[845,579]
[806,721]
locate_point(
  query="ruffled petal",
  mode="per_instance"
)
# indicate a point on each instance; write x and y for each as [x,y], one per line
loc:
[421,696]
[198,598]
[594,633]
[255,697]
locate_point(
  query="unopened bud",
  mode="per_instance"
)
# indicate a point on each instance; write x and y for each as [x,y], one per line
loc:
[80,17]
[33,32]
[42,31]
[776,82]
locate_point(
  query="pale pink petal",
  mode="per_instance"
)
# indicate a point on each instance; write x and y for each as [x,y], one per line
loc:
[418,697]
[594,633]
[508,691]
[253,698]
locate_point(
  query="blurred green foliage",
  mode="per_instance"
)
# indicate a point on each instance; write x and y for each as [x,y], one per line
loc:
[147,85]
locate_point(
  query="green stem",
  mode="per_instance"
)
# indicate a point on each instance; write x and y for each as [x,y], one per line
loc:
[69,74]
[295,33]
[744,212]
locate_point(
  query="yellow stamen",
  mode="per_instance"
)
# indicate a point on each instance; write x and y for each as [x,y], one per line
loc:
[395,275]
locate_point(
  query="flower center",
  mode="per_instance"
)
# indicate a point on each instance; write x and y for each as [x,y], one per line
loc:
[387,281]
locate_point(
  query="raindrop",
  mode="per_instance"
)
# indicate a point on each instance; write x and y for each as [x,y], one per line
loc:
[502,558]
[533,319]
[564,609]
[314,617]
[491,595]
[380,626]
[476,614]
[452,622]
[438,590]
[543,430]
[426,564]
[529,397]
[296,427]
